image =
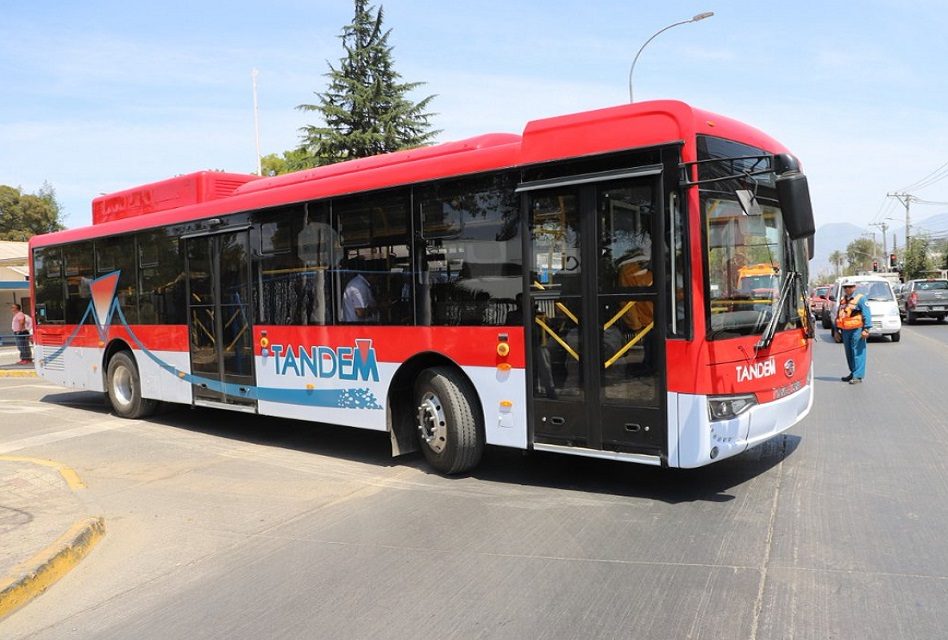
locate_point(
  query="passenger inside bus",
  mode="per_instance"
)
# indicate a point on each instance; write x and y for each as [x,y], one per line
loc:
[358,299]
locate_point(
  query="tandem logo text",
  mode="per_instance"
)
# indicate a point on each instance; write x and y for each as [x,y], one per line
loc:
[346,363]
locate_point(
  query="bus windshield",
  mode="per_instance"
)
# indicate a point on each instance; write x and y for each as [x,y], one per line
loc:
[749,254]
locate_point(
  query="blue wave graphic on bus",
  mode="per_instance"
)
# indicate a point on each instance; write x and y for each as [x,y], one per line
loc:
[352,398]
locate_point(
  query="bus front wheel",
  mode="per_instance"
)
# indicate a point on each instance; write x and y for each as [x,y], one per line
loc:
[450,426]
[125,388]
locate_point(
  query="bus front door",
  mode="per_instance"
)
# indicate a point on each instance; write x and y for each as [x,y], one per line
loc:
[595,331]
[219,319]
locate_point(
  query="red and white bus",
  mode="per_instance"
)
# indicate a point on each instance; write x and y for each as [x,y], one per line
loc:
[570,289]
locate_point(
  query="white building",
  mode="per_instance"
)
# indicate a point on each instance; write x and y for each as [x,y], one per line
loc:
[14,284]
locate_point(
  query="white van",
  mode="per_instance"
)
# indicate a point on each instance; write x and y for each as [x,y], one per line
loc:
[882,305]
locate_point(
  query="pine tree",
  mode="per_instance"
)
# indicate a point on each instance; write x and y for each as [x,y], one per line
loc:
[365,108]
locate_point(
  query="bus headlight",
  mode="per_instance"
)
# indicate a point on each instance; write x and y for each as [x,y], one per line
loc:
[729,407]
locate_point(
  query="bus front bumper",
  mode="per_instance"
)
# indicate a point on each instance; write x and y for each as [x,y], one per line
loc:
[694,440]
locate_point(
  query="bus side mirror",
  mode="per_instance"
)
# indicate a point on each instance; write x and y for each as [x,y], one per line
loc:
[793,192]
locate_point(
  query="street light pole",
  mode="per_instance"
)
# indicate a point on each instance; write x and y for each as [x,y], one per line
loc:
[700,16]
[256,121]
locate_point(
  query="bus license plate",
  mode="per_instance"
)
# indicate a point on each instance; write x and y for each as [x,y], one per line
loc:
[783,392]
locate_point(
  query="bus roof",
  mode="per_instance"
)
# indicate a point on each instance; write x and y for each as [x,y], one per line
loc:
[612,129]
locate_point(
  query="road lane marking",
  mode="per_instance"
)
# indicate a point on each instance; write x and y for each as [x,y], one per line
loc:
[917,333]
[29,386]
[57,436]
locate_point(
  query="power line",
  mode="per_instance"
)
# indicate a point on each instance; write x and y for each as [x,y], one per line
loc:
[935,176]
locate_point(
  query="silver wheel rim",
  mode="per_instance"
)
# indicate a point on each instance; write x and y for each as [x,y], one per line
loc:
[122,388]
[432,424]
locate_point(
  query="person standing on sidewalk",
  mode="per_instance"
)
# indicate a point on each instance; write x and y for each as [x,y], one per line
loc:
[853,320]
[22,325]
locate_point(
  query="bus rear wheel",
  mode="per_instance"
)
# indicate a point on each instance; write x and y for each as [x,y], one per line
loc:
[125,388]
[450,426]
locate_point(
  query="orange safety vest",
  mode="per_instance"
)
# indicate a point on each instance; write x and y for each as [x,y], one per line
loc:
[845,318]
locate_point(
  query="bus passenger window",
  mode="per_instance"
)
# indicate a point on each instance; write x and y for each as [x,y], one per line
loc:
[162,280]
[118,254]
[298,248]
[470,256]
[376,259]
[79,273]
[47,270]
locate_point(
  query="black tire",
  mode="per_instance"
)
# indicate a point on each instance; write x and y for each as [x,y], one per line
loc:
[449,420]
[911,318]
[125,388]
[825,319]
[896,336]
[940,318]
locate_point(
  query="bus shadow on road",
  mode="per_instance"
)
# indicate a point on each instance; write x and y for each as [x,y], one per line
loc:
[361,445]
[714,483]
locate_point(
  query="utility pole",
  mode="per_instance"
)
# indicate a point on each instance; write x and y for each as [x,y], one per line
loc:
[906,200]
[885,248]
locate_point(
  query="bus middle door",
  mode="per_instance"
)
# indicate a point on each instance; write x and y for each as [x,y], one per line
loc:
[219,319]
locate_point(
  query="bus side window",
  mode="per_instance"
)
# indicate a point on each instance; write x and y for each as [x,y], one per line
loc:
[50,301]
[376,245]
[118,254]
[297,250]
[162,280]
[79,273]
[470,252]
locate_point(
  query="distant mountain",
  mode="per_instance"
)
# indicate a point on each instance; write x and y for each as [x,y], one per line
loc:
[935,226]
[831,237]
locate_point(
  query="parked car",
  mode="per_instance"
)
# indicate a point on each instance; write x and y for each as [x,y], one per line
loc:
[886,320]
[818,300]
[924,299]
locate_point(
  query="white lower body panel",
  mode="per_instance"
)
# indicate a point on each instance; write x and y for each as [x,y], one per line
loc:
[694,440]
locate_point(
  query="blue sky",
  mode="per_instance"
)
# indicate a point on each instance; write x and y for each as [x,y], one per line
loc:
[104,95]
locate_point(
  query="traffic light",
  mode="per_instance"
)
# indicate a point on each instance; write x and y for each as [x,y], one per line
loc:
[892,262]
[875,265]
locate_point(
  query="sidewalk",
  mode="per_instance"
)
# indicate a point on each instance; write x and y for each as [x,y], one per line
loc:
[9,357]
[45,526]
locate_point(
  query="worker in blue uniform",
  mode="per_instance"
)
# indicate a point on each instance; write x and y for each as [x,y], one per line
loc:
[853,320]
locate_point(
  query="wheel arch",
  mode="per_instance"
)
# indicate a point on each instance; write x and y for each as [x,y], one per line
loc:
[114,346]
[401,410]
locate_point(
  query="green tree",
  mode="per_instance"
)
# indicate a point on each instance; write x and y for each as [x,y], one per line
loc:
[836,259]
[23,215]
[292,160]
[860,253]
[365,109]
[917,261]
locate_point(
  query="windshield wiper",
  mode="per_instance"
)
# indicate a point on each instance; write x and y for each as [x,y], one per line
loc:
[768,335]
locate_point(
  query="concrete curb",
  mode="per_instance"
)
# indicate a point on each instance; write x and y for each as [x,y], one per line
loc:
[40,572]
[18,373]
[29,579]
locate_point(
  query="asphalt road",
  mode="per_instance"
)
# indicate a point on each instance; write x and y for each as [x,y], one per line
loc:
[223,526]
